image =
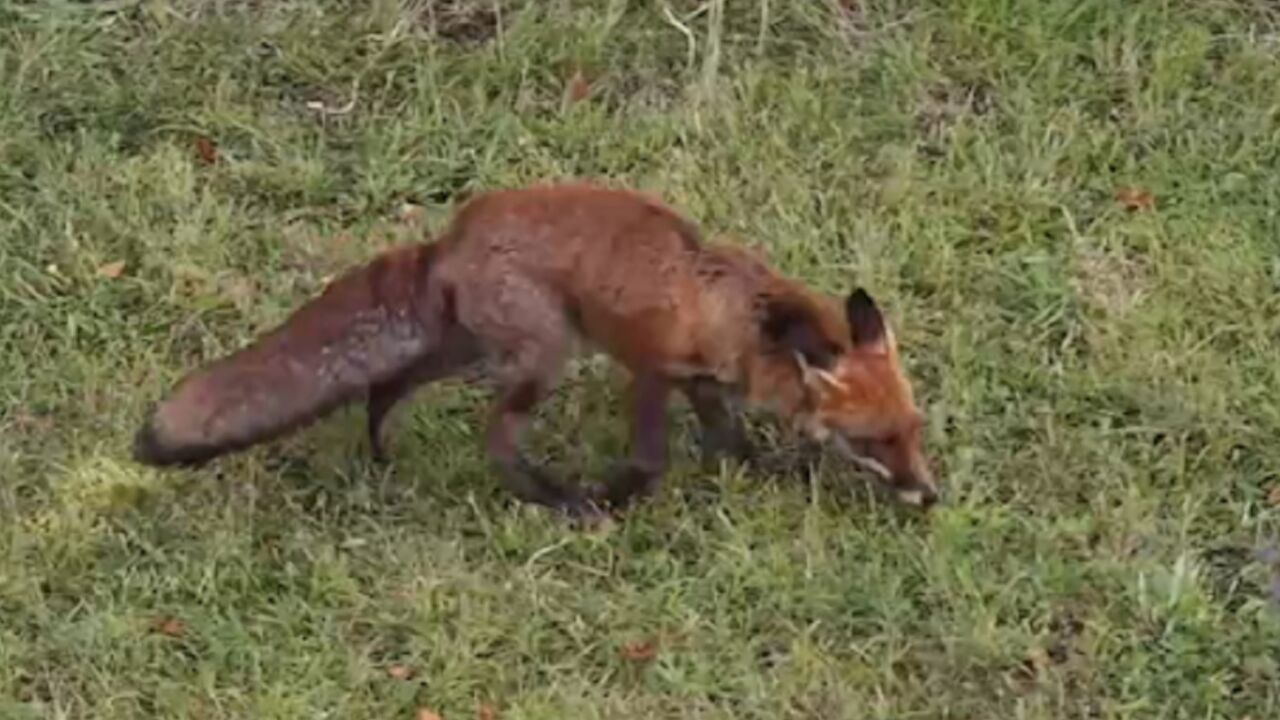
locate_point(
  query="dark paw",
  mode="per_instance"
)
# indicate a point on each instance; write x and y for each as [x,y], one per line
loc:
[625,484]
[532,484]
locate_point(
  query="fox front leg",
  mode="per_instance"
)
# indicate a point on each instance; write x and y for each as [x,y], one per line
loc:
[641,475]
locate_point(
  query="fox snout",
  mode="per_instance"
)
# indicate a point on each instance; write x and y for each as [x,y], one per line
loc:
[916,492]
[909,479]
[914,484]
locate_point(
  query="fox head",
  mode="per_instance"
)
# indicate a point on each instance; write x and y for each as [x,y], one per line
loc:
[855,394]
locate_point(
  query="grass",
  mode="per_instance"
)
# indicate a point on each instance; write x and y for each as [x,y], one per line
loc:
[1102,381]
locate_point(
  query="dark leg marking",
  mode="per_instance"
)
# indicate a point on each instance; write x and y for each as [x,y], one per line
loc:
[641,475]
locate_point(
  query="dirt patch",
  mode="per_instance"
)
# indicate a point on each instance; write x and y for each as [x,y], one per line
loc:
[1108,280]
[944,104]
[466,22]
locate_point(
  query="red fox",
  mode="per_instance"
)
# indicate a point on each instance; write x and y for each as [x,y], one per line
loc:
[516,282]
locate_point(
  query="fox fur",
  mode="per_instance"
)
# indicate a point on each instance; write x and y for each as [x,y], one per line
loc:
[522,279]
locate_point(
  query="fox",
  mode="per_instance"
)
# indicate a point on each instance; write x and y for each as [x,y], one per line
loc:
[521,280]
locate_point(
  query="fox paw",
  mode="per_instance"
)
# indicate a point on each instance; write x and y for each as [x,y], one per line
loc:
[624,485]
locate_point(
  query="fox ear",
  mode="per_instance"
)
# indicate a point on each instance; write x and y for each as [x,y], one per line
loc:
[795,330]
[866,324]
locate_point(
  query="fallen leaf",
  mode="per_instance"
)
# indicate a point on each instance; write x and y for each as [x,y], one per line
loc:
[400,672]
[111,270]
[1135,198]
[641,651]
[206,150]
[578,88]
[1273,497]
[425,714]
[170,626]
[486,712]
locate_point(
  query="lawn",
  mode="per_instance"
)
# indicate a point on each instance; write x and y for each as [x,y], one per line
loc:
[1068,208]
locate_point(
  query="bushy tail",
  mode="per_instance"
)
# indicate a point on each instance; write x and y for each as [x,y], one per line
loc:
[370,324]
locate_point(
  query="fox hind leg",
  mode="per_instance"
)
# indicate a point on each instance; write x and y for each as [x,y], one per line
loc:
[508,424]
[530,341]
[458,353]
[382,398]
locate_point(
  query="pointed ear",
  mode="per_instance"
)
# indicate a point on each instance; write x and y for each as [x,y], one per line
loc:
[866,324]
[794,329]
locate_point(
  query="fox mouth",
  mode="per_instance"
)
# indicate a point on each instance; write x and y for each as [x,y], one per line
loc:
[915,494]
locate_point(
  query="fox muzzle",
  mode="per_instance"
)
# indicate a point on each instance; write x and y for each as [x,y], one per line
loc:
[916,489]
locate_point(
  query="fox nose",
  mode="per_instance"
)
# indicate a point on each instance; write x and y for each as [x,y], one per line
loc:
[921,496]
[928,499]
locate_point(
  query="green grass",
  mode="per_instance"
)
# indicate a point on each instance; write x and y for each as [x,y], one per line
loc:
[1103,385]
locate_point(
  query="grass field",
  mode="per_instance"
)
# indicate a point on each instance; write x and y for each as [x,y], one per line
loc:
[1068,207]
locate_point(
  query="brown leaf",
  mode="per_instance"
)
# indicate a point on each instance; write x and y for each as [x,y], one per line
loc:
[1135,198]
[640,651]
[426,714]
[578,88]
[400,672]
[486,711]
[206,150]
[1273,497]
[170,626]
[111,270]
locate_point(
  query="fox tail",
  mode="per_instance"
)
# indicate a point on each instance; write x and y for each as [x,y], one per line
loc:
[370,325]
